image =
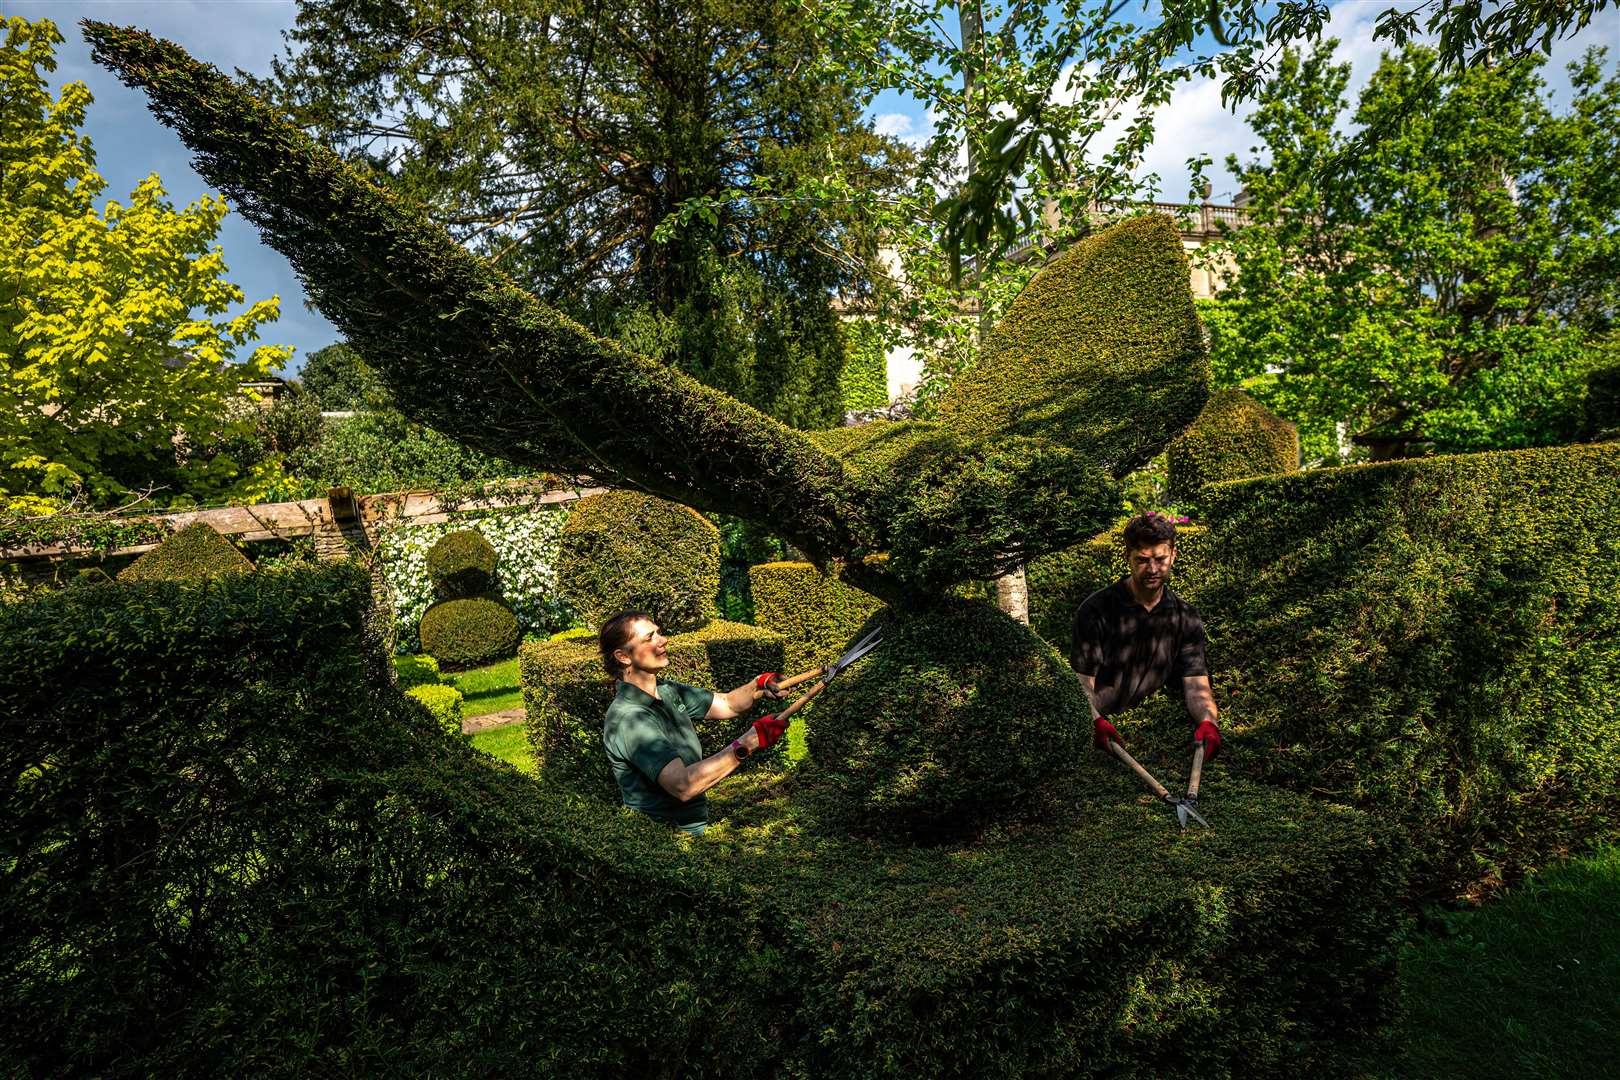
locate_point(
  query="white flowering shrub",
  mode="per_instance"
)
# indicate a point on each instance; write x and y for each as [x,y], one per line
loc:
[525,543]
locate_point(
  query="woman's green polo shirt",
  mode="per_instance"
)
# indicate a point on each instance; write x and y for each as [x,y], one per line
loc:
[642,734]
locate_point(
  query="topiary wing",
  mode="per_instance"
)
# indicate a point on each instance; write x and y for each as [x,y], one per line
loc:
[1102,352]
[464,349]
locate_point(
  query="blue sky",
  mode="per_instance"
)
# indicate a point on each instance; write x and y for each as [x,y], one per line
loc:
[246,34]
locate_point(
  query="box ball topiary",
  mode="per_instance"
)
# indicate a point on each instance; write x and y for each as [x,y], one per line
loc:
[418,670]
[198,550]
[461,563]
[960,719]
[1234,437]
[624,550]
[443,703]
[470,630]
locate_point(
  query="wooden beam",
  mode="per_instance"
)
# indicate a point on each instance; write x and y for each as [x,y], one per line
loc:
[272,521]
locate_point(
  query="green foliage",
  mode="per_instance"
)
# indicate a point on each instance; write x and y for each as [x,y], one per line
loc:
[525,543]
[443,704]
[742,544]
[417,670]
[864,382]
[1233,438]
[1101,353]
[1435,641]
[461,563]
[242,854]
[817,615]
[100,532]
[961,719]
[566,695]
[382,451]
[198,550]
[337,379]
[469,630]
[91,575]
[1603,402]
[624,550]
[699,248]
[1435,286]
[113,339]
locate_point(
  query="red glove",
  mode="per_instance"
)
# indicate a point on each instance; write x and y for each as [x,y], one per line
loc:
[1103,733]
[1210,736]
[770,730]
[766,684]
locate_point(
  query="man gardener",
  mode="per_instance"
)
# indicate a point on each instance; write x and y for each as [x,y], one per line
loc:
[1137,635]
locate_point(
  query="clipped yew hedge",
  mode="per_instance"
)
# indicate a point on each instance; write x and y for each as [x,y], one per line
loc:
[1102,352]
[816,614]
[469,630]
[238,854]
[1436,641]
[198,550]
[1234,437]
[566,695]
[958,720]
[623,551]
[461,563]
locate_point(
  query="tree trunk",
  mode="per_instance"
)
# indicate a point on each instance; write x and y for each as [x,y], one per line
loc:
[1012,595]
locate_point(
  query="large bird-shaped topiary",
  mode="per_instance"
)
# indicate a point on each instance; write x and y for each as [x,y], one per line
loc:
[1098,364]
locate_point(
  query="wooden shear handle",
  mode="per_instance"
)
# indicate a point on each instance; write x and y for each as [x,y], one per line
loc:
[784,685]
[1146,777]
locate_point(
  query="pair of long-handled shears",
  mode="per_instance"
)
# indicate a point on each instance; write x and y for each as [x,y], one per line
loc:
[1185,805]
[826,674]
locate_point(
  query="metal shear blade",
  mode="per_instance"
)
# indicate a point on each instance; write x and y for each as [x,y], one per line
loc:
[858,650]
[1184,809]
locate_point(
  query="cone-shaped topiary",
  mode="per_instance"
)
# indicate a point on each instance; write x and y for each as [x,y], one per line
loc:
[469,631]
[1102,351]
[1233,438]
[960,719]
[624,550]
[198,550]
[461,563]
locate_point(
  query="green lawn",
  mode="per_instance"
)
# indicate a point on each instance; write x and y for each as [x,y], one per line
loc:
[507,743]
[1527,987]
[491,688]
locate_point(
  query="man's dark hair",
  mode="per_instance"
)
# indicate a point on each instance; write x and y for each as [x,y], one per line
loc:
[1149,530]
[615,635]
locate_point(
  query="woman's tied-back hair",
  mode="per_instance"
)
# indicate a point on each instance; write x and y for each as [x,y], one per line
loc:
[615,635]
[1149,530]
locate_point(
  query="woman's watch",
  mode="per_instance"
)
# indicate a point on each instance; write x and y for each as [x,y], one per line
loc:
[740,750]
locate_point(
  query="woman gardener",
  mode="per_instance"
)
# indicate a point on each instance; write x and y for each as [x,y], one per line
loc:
[652,743]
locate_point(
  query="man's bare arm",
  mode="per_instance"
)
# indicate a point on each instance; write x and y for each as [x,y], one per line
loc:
[1200,697]
[1088,683]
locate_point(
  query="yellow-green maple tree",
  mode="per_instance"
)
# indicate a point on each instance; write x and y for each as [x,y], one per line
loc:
[118,360]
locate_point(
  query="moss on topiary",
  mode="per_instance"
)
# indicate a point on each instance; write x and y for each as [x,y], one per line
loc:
[198,550]
[461,563]
[469,630]
[1101,353]
[624,550]
[960,719]
[1233,438]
